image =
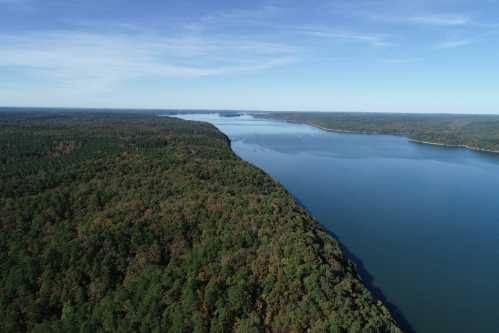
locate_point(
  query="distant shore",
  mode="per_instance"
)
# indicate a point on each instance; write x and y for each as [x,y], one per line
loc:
[347,131]
[454,146]
[409,139]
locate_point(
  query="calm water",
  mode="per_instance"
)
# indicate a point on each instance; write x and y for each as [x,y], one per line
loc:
[423,220]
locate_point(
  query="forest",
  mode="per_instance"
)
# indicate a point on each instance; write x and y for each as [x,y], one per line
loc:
[124,222]
[479,132]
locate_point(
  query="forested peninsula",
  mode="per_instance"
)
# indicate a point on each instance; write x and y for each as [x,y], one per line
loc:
[137,223]
[476,132]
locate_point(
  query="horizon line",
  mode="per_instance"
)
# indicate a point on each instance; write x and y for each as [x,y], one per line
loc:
[56,108]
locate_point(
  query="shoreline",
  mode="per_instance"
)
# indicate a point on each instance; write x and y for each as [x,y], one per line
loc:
[362,275]
[349,132]
[476,149]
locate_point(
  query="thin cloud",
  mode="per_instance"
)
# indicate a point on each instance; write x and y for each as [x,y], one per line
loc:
[258,15]
[426,20]
[453,44]
[400,61]
[69,57]
[435,20]
[371,39]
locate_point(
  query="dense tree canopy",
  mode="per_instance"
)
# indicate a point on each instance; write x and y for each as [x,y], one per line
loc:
[123,222]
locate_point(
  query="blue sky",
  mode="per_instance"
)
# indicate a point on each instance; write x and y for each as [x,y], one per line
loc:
[344,55]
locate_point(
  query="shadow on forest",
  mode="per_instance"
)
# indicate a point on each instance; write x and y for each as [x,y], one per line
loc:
[367,279]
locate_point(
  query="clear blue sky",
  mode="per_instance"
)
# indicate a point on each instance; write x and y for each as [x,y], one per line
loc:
[348,55]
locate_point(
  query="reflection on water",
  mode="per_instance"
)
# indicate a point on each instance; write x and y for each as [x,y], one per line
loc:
[423,220]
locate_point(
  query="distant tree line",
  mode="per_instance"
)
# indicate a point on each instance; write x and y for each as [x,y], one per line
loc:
[472,131]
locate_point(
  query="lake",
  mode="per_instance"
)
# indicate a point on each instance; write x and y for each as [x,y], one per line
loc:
[422,222]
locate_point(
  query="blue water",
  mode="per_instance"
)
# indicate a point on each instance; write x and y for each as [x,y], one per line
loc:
[421,221]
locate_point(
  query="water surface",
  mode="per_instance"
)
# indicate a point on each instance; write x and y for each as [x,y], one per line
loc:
[423,220]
